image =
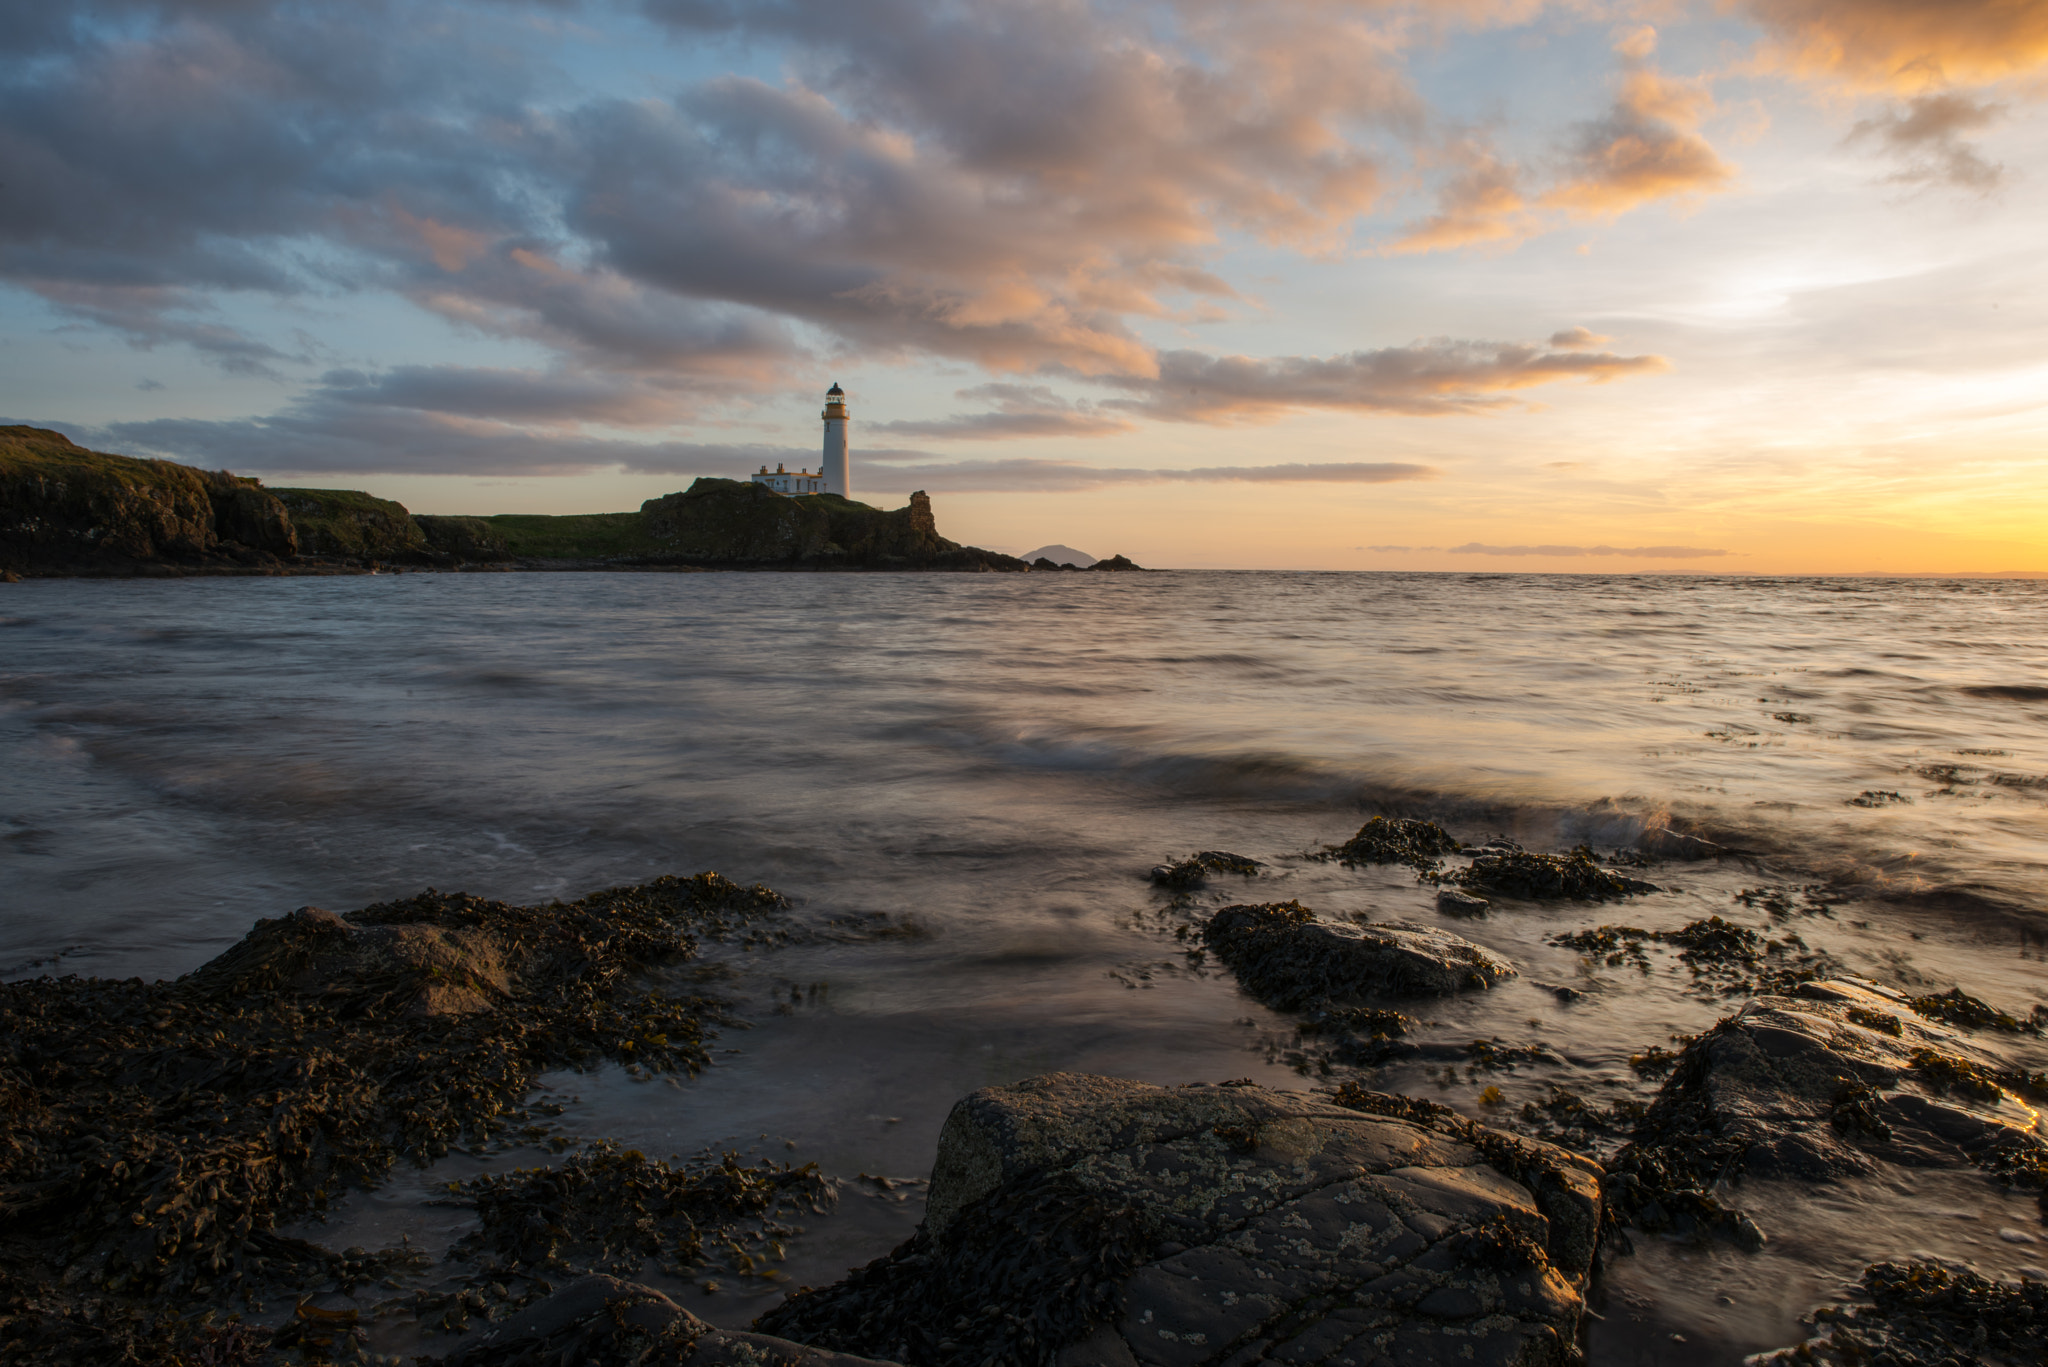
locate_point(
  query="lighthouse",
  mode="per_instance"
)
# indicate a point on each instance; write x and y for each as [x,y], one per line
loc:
[836,469]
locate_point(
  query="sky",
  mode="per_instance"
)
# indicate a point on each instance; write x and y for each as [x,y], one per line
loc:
[1717,286]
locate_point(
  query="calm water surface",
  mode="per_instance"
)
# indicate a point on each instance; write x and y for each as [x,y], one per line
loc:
[999,759]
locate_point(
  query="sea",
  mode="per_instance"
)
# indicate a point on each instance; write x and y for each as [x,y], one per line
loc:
[963,780]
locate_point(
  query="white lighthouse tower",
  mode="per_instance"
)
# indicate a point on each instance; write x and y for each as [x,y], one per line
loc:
[837,468]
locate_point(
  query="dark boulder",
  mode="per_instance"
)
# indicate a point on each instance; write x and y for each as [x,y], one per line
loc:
[1085,1220]
[1115,562]
[1185,875]
[1514,872]
[1838,1080]
[1290,960]
[1395,840]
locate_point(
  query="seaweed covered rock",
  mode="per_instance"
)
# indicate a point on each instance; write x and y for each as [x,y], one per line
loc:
[601,1321]
[1291,961]
[1088,1220]
[160,1132]
[1922,1312]
[1545,877]
[609,1209]
[1836,1081]
[1396,840]
[1185,875]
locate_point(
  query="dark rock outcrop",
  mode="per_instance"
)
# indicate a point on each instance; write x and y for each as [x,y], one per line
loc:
[1115,562]
[1095,1220]
[736,522]
[67,510]
[1420,845]
[352,524]
[468,539]
[1833,1082]
[1185,875]
[1515,872]
[1290,960]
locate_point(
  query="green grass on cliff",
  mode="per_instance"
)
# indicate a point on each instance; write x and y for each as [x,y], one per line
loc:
[37,451]
[583,536]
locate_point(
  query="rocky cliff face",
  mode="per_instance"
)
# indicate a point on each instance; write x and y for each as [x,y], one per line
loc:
[344,522]
[732,521]
[67,510]
[727,521]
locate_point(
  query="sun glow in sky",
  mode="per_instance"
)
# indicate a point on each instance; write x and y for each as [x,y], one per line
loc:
[1584,285]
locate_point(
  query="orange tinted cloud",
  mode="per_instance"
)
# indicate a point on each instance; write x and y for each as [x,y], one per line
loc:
[1905,45]
[1647,147]
[1482,203]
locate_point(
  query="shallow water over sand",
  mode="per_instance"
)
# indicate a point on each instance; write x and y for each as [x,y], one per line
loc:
[992,763]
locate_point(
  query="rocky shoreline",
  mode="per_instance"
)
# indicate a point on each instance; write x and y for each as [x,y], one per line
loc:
[166,1136]
[66,512]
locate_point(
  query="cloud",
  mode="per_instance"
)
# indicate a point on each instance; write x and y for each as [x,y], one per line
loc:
[1577,339]
[546,398]
[1481,203]
[1905,46]
[1425,378]
[1030,475]
[1020,411]
[1646,147]
[1926,134]
[334,439]
[1639,552]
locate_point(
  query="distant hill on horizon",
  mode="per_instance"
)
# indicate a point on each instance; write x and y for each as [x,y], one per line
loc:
[1060,555]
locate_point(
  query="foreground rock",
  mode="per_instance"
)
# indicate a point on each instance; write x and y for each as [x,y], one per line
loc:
[1836,1081]
[605,1322]
[1095,1220]
[1290,960]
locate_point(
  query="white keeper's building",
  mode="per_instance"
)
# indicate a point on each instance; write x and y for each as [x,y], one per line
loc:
[834,473]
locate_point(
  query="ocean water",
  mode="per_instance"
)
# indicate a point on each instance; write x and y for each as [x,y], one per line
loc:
[993,763]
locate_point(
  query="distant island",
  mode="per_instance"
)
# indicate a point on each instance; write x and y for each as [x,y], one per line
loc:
[68,511]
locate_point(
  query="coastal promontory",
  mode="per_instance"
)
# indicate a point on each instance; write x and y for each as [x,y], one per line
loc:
[69,511]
